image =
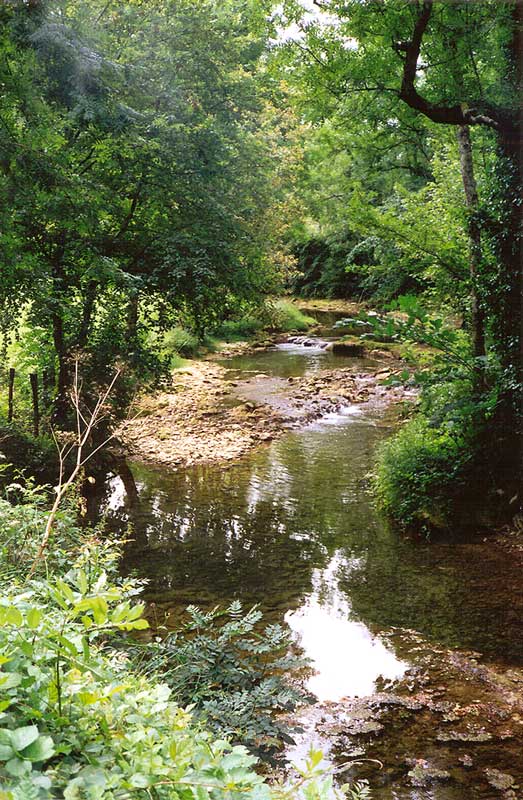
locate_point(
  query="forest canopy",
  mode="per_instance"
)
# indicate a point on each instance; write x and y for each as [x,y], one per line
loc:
[168,166]
[145,155]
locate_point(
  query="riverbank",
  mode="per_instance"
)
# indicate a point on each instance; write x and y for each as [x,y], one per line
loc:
[452,727]
[210,414]
[416,644]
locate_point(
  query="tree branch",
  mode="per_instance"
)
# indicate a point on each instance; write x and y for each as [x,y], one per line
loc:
[84,428]
[458,114]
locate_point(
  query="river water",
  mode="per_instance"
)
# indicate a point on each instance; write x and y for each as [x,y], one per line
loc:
[293,528]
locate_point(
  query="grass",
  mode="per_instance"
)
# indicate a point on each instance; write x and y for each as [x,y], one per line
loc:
[287,317]
[238,330]
[179,344]
[277,316]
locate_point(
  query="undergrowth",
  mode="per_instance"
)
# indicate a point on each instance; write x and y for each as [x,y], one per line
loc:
[241,677]
[287,317]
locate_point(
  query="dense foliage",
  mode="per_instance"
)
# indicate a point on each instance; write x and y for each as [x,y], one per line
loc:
[145,165]
[412,186]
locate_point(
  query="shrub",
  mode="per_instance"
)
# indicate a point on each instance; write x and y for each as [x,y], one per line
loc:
[441,468]
[276,315]
[179,341]
[241,678]
[238,330]
[77,721]
[416,469]
[286,317]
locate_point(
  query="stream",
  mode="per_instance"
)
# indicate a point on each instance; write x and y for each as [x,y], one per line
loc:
[293,527]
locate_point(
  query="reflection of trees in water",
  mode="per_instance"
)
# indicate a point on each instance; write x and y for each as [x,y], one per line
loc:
[266,529]
[254,531]
[202,537]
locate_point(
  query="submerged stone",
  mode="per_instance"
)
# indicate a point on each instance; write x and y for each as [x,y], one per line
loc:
[471,736]
[499,780]
[423,774]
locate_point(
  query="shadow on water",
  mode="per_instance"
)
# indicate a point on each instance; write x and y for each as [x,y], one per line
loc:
[293,528]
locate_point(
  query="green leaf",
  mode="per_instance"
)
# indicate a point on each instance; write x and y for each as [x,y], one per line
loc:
[136,625]
[65,590]
[23,737]
[6,749]
[14,616]
[8,680]
[34,617]
[81,580]
[18,768]
[139,781]
[40,750]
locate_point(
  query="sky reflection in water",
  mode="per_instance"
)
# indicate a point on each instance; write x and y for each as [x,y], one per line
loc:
[347,657]
[293,528]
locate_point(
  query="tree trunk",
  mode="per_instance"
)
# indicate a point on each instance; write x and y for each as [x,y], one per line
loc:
[474,234]
[87,313]
[61,403]
[508,295]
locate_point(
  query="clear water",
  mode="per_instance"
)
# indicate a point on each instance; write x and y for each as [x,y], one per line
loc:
[292,360]
[293,528]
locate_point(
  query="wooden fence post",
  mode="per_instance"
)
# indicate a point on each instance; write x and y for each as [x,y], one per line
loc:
[10,395]
[47,385]
[36,414]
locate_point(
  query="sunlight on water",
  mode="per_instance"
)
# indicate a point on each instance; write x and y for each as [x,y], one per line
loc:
[347,657]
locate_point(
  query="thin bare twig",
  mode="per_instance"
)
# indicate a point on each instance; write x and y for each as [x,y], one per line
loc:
[84,428]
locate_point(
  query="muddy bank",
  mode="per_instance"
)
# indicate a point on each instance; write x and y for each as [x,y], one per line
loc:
[210,414]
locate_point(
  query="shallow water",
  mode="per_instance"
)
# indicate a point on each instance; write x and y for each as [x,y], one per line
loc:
[292,361]
[293,528]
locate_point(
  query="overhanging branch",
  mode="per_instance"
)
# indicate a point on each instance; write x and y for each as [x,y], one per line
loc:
[459,114]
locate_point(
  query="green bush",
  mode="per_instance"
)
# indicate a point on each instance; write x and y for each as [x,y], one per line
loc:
[275,315]
[416,469]
[238,330]
[76,722]
[286,317]
[441,469]
[240,677]
[181,342]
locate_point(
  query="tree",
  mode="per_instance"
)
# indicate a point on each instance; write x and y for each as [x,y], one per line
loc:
[453,65]
[136,175]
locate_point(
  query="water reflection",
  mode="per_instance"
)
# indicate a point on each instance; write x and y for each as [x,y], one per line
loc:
[293,528]
[347,656]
